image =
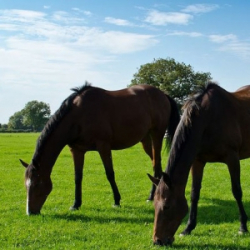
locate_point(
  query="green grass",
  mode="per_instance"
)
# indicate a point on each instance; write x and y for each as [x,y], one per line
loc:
[97,225]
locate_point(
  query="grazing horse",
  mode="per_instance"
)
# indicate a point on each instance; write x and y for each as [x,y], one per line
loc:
[94,119]
[215,127]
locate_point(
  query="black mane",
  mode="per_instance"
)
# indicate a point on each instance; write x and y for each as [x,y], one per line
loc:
[56,118]
[193,104]
[190,108]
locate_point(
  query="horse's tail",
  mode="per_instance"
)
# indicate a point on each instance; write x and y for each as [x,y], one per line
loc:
[173,120]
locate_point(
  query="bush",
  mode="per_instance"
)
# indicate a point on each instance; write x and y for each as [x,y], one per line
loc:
[2,130]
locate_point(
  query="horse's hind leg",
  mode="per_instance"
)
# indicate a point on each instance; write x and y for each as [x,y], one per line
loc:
[197,174]
[152,147]
[78,158]
[234,170]
[106,156]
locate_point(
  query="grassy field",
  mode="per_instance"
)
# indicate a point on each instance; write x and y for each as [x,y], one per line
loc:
[97,225]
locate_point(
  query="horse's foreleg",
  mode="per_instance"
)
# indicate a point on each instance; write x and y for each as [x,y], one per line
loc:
[197,174]
[147,146]
[152,147]
[78,158]
[234,170]
[106,156]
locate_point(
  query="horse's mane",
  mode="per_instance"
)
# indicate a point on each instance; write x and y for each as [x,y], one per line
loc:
[57,117]
[193,103]
[191,107]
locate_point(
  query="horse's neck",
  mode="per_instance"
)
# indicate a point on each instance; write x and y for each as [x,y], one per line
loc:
[183,153]
[46,154]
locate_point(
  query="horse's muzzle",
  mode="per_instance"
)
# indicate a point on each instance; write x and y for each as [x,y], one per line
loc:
[33,213]
[167,242]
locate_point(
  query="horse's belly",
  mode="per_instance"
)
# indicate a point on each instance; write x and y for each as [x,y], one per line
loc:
[126,142]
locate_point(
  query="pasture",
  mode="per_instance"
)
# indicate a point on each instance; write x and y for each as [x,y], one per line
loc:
[97,225]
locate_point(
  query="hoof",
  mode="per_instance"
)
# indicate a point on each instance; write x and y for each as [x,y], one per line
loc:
[73,208]
[242,232]
[148,200]
[116,205]
[184,233]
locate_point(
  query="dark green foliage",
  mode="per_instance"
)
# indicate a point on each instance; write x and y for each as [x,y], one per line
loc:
[177,79]
[16,121]
[36,114]
[32,117]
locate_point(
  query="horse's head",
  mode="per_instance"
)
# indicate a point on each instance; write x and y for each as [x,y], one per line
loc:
[38,186]
[170,209]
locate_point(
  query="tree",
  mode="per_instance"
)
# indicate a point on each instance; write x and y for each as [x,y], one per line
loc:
[4,126]
[36,114]
[16,121]
[177,79]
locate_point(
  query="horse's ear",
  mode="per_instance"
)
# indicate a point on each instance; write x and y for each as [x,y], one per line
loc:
[166,179]
[154,180]
[24,163]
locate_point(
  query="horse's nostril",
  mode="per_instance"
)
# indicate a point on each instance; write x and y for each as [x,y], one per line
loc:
[33,213]
[169,242]
[158,242]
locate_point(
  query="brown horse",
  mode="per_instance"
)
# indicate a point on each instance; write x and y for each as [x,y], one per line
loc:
[96,119]
[215,127]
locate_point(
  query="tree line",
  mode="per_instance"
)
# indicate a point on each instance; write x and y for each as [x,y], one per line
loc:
[177,79]
[32,117]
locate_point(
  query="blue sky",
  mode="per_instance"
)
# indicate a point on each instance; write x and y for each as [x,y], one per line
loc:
[49,47]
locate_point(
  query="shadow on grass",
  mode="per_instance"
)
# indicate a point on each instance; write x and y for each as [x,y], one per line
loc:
[207,246]
[220,211]
[104,215]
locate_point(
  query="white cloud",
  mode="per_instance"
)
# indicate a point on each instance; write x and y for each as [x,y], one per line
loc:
[117,42]
[62,16]
[230,43]
[242,49]
[182,33]
[8,27]
[222,38]
[52,29]
[163,18]
[41,49]
[200,8]
[23,16]
[85,12]
[119,22]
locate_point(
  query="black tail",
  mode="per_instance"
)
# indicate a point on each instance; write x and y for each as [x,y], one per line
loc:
[173,120]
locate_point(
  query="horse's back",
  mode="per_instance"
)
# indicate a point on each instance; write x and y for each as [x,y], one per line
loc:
[123,117]
[158,101]
[244,89]
[137,100]
[243,93]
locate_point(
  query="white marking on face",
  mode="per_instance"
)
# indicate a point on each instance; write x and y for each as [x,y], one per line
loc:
[28,183]
[27,206]
[161,204]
